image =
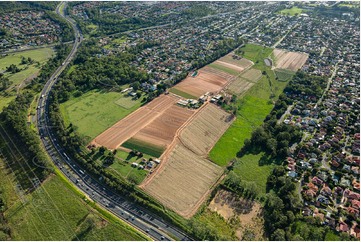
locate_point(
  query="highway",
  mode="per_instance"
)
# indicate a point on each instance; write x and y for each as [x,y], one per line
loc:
[150,224]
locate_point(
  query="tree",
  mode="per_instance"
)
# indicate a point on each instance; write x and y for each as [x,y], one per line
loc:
[278,235]
[102,150]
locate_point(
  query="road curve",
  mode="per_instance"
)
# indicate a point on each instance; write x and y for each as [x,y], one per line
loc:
[145,221]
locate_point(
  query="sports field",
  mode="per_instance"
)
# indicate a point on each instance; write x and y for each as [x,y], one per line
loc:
[95,111]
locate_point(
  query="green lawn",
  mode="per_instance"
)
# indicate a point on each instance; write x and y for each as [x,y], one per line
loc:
[127,102]
[144,147]
[94,112]
[291,11]
[252,108]
[181,93]
[55,212]
[225,69]
[249,169]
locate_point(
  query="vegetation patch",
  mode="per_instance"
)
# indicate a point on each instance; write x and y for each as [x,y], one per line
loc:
[284,75]
[144,147]
[127,102]
[212,226]
[54,212]
[181,93]
[291,11]
[94,112]
[225,69]
[249,168]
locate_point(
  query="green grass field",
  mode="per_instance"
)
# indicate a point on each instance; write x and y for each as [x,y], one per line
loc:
[284,75]
[94,112]
[291,11]
[147,148]
[249,169]
[181,93]
[127,102]
[252,108]
[125,170]
[56,212]
[225,69]
[122,167]
[39,55]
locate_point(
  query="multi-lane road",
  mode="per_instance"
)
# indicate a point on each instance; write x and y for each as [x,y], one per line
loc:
[138,217]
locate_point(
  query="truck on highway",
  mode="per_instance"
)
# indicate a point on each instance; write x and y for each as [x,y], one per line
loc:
[67,157]
[81,172]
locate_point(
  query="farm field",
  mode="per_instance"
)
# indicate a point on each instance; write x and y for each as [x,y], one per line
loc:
[240,86]
[184,181]
[125,128]
[205,81]
[226,67]
[254,106]
[178,92]
[144,147]
[243,63]
[55,212]
[205,129]
[161,131]
[252,75]
[292,61]
[94,112]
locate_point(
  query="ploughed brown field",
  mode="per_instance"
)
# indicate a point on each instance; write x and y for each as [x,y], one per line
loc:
[124,129]
[289,60]
[205,129]
[252,75]
[186,177]
[243,63]
[161,131]
[205,81]
[184,181]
